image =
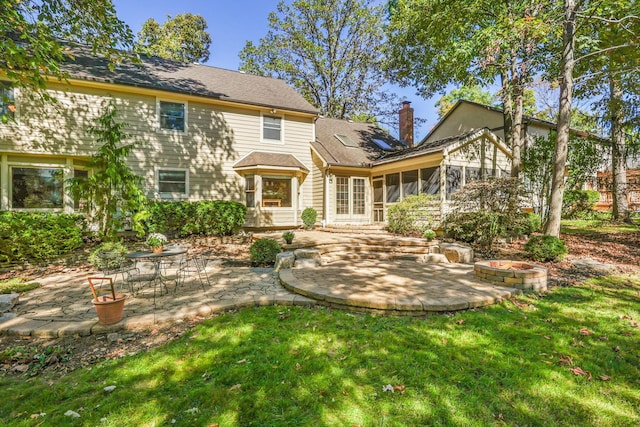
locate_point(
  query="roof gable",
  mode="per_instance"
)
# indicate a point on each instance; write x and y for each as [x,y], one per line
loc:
[450,144]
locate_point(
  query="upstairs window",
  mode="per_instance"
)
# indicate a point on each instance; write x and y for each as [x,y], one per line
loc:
[172,115]
[271,128]
[7,102]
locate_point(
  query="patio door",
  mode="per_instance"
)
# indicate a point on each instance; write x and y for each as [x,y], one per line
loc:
[350,199]
[378,200]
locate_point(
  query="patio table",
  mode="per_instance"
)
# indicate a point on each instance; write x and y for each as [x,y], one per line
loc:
[156,258]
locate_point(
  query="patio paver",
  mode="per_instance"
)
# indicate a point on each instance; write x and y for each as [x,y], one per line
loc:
[62,305]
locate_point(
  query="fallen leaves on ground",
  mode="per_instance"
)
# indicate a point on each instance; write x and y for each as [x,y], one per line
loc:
[566,360]
[581,372]
[585,331]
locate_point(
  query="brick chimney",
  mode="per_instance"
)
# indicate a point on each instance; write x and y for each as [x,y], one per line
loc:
[406,123]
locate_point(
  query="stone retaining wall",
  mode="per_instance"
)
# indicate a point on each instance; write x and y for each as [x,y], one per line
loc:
[513,274]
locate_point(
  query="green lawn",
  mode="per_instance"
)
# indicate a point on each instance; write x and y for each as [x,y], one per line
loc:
[584,226]
[508,364]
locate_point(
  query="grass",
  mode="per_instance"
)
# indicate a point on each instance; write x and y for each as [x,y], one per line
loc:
[17,285]
[587,226]
[506,364]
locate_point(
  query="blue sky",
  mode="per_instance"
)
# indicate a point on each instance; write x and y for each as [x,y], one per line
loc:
[231,24]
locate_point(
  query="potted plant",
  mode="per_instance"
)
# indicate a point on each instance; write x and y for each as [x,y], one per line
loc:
[429,234]
[288,237]
[107,303]
[156,241]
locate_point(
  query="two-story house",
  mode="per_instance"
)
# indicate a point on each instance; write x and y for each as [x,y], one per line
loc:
[206,133]
[203,133]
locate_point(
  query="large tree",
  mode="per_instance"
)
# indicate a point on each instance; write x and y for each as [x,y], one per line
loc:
[31,34]
[577,26]
[183,38]
[437,42]
[611,74]
[330,51]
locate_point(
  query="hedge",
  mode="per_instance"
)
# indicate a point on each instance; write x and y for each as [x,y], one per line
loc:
[38,236]
[208,218]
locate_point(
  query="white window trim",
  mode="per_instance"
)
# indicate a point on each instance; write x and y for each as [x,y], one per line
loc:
[11,165]
[272,141]
[178,196]
[186,117]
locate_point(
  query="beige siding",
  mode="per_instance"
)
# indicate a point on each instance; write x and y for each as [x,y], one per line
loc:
[216,138]
[468,117]
[317,195]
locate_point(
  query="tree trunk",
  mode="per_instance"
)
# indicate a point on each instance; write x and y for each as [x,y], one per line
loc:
[507,114]
[552,227]
[618,157]
[516,137]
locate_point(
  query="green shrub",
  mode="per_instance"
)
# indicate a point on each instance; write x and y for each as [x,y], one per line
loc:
[545,248]
[578,204]
[116,248]
[17,285]
[483,211]
[264,251]
[38,236]
[532,223]
[208,218]
[429,234]
[288,236]
[412,215]
[481,228]
[309,216]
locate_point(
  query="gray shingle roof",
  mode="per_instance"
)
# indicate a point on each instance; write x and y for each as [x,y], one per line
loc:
[192,79]
[261,158]
[336,153]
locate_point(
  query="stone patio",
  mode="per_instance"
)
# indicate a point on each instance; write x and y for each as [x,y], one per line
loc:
[398,282]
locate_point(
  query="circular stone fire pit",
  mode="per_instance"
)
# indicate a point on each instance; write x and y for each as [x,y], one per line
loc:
[514,274]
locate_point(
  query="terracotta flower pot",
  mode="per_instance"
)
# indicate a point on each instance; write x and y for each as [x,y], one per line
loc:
[109,309]
[157,250]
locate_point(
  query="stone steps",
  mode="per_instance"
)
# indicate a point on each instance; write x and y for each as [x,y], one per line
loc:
[367,229]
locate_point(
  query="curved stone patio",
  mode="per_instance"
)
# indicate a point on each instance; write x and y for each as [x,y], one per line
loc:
[395,287]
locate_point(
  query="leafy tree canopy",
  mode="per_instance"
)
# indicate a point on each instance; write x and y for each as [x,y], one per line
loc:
[31,34]
[330,51]
[183,38]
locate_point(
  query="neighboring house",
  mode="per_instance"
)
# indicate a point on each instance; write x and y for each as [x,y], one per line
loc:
[468,115]
[204,132]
